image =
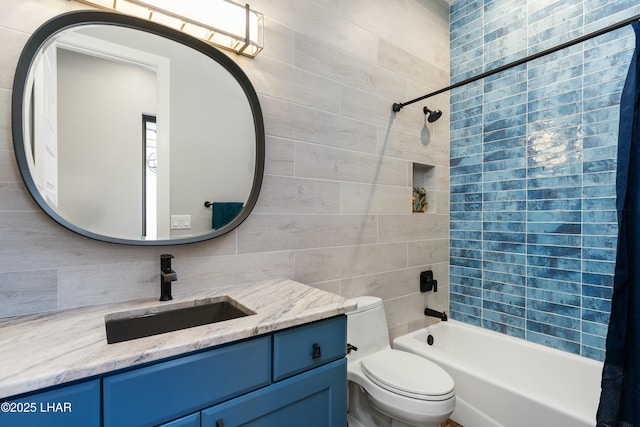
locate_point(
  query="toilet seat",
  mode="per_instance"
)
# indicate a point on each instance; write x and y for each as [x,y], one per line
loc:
[408,375]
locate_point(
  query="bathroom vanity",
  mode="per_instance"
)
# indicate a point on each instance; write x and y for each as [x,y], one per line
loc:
[284,364]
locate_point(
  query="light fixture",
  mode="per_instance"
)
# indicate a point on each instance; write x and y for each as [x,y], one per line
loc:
[222,23]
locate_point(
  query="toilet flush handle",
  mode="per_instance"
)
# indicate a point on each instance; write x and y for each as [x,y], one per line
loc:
[351,347]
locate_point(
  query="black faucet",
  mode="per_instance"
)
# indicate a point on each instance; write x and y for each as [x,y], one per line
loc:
[433,313]
[167,275]
[427,282]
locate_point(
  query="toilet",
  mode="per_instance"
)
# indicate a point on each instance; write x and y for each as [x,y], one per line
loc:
[390,387]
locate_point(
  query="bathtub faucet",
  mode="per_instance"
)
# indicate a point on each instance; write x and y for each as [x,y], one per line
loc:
[433,313]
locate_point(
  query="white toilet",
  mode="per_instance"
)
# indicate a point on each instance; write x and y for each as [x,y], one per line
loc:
[390,387]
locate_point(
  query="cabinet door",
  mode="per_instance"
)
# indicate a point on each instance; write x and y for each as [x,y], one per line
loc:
[158,393]
[75,405]
[317,398]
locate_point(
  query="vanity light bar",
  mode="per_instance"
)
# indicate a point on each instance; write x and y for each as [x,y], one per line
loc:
[222,23]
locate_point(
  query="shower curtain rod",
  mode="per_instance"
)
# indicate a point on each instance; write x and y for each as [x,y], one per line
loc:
[398,106]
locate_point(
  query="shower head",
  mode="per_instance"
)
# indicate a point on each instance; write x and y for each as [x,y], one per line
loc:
[432,115]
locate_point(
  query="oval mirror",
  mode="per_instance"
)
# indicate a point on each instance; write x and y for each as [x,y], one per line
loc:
[129,132]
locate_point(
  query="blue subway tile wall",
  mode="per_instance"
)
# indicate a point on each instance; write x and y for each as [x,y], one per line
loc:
[533,159]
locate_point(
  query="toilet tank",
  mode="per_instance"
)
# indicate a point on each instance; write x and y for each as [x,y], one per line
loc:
[367,327]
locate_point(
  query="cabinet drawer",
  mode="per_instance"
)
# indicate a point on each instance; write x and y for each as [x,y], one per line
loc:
[317,398]
[167,390]
[75,405]
[298,349]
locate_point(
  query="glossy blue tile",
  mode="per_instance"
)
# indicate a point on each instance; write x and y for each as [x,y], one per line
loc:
[554,239]
[465,271]
[554,342]
[554,216]
[602,292]
[518,248]
[554,251]
[466,253]
[466,300]
[554,228]
[496,196]
[465,198]
[459,315]
[503,184]
[475,159]
[603,191]
[554,262]
[465,178]
[513,216]
[505,226]
[503,308]
[511,289]
[473,206]
[506,278]
[504,323]
[598,304]
[501,165]
[600,229]
[599,165]
[553,274]
[465,216]
[500,267]
[553,285]
[553,319]
[595,316]
[599,178]
[552,330]
[593,353]
[503,298]
[504,206]
[550,307]
[600,267]
[555,205]
[597,279]
[504,175]
[555,297]
[599,216]
[603,242]
[504,257]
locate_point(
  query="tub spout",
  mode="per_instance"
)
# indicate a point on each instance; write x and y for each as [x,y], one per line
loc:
[442,315]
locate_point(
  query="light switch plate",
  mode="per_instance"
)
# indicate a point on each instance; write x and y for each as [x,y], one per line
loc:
[180,222]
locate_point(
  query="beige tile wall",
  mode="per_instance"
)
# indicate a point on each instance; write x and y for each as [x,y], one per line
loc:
[334,211]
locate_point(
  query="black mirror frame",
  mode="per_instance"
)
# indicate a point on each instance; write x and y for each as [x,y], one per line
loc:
[73,19]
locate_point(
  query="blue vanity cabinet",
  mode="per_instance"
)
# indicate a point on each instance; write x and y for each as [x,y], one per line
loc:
[73,405]
[316,398]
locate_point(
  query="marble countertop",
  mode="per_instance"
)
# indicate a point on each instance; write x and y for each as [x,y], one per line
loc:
[43,350]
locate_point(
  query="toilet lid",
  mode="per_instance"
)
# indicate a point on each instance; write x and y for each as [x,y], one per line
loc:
[408,374]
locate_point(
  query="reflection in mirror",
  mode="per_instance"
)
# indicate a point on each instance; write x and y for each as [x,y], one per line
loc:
[126,128]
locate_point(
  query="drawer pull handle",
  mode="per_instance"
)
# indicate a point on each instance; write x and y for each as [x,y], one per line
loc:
[219,422]
[316,353]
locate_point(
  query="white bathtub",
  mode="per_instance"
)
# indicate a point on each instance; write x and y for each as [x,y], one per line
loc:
[509,382]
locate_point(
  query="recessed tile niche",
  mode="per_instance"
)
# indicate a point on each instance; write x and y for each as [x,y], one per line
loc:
[424,176]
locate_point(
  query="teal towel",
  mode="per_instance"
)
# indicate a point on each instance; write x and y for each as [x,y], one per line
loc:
[224,212]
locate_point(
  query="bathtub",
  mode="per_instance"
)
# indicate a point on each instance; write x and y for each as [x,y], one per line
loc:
[501,381]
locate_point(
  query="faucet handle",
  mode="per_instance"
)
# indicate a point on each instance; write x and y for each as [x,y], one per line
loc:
[165,262]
